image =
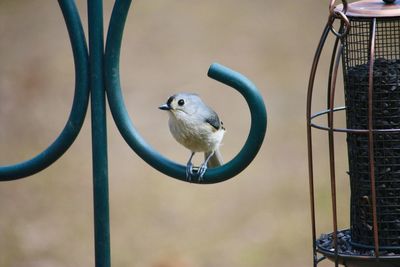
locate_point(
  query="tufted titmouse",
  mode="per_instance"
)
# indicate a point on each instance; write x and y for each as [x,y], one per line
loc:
[197,127]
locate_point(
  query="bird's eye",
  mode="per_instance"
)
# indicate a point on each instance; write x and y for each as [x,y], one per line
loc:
[181,102]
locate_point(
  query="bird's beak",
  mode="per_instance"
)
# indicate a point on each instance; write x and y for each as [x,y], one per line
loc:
[165,107]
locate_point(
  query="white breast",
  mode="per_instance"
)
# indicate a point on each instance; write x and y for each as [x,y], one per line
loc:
[197,137]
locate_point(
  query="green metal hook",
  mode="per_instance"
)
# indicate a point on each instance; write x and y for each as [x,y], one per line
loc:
[137,142]
[79,107]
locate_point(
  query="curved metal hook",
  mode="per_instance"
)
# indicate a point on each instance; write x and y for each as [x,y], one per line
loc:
[344,28]
[332,6]
[339,14]
[136,141]
[79,107]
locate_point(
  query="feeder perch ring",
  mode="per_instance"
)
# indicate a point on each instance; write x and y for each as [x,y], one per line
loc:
[351,255]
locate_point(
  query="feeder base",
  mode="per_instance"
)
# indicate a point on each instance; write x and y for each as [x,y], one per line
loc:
[351,256]
[366,263]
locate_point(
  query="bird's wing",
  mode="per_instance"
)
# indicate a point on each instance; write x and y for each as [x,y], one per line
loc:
[213,120]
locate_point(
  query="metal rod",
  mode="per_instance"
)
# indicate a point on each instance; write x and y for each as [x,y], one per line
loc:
[331,66]
[371,135]
[99,135]
[331,100]
[309,137]
[346,130]
[79,107]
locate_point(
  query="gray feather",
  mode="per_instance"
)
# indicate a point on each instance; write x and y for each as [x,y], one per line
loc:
[214,121]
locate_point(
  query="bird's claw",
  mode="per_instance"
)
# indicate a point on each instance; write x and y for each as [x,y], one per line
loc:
[202,170]
[189,171]
[192,171]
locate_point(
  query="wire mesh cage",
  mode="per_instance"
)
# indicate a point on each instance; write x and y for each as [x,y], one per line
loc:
[368,45]
[386,117]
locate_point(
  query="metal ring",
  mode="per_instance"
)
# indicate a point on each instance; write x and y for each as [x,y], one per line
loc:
[344,130]
[79,106]
[136,141]
[345,28]
[332,6]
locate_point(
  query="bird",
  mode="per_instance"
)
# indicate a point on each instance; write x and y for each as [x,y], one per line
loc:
[197,127]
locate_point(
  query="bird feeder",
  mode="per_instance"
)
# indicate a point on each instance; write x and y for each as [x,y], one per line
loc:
[367,43]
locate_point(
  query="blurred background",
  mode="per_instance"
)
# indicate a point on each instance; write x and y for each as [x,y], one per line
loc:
[259,218]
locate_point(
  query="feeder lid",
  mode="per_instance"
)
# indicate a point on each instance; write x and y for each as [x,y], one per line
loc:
[371,9]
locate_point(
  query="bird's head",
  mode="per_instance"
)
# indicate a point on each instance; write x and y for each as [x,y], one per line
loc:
[186,103]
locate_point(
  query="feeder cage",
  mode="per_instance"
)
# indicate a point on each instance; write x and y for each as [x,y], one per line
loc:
[367,43]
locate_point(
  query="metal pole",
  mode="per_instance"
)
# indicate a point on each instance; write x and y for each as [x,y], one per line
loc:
[371,136]
[99,135]
[331,100]
[309,138]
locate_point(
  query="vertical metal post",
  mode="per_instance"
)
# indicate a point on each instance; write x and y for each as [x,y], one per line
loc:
[331,100]
[309,138]
[99,135]
[371,136]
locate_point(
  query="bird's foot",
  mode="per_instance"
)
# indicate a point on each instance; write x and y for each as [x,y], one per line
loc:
[195,172]
[189,171]
[202,170]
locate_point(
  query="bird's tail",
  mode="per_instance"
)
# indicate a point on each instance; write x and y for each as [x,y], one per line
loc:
[215,160]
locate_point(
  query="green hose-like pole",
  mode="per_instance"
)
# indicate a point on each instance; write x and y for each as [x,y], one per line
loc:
[99,135]
[79,105]
[217,72]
